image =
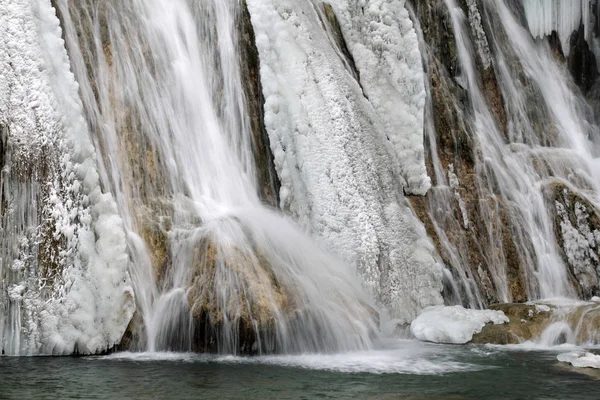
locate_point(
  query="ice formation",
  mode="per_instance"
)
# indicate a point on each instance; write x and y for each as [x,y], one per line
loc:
[580,244]
[580,359]
[454,324]
[64,283]
[385,47]
[564,17]
[338,172]
[478,33]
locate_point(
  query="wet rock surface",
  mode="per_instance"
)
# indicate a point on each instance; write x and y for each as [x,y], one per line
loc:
[576,323]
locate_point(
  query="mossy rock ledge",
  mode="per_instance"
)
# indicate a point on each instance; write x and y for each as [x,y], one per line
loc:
[527,322]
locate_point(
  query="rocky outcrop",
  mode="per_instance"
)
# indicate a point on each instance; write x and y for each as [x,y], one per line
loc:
[576,323]
[526,322]
[248,312]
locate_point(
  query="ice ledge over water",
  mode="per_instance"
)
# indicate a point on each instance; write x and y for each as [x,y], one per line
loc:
[454,324]
[84,302]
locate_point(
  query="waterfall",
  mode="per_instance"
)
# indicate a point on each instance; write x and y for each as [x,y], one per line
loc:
[255,176]
[345,120]
[216,270]
[525,150]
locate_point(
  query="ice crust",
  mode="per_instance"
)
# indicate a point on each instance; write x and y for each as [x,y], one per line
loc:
[580,243]
[85,302]
[339,173]
[385,47]
[453,324]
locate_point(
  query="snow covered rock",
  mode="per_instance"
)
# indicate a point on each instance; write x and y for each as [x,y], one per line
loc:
[577,227]
[580,359]
[454,324]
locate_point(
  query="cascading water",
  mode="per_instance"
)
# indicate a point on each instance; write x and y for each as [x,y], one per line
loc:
[180,136]
[514,179]
[543,138]
[160,82]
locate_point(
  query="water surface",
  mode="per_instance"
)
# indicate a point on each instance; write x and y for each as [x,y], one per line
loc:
[406,369]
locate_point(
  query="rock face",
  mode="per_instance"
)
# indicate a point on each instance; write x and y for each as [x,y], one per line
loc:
[253,304]
[491,114]
[250,69]
[476,223]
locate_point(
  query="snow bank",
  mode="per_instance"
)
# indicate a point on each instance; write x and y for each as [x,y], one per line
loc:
[564,17]
[67,270]
[454,324]
[339,173]
[580,359]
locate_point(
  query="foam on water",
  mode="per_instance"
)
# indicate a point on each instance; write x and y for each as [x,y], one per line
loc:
[398,357]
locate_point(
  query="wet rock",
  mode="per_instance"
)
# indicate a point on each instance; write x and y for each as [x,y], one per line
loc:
[250,68]
[235,294]
[581,61]
[134,338]
[525,323]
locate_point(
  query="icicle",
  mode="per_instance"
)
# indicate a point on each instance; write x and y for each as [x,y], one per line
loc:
[564,17]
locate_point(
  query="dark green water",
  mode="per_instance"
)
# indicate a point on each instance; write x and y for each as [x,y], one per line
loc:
[406,369]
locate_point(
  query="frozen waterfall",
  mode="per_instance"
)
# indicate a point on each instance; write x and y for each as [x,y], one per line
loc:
[215,270]
[64,285]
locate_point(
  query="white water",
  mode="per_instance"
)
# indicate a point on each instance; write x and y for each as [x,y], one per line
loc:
[397,357]
[259,284]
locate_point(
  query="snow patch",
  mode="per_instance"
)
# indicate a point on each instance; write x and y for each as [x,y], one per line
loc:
[541,308]
[454,324]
